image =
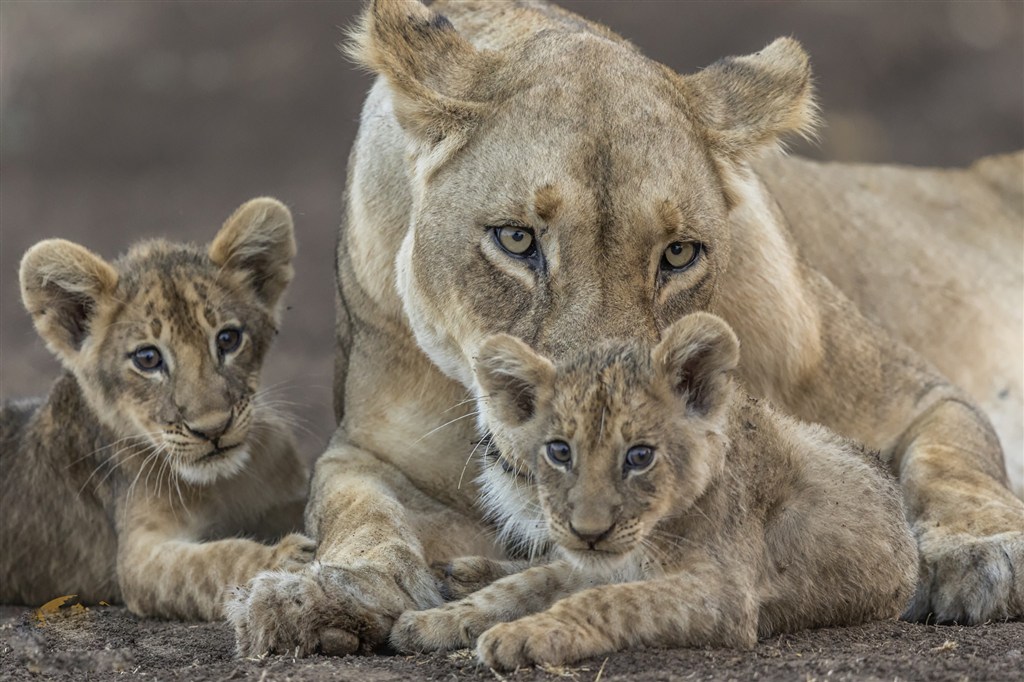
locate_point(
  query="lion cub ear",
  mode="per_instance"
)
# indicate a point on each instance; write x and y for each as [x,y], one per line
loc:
[433,72]
[62,286]
[513,378]
[746,103]
[258,240]
[696,353]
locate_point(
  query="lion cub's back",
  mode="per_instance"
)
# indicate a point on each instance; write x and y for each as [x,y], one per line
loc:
[50,522]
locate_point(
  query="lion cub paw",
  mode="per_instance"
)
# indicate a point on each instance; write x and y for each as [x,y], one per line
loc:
[453,626]
[463,576]
[968,579]
[292,552]
[535,640]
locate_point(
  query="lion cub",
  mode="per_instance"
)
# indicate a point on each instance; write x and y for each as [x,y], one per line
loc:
[682,512]
[154,442]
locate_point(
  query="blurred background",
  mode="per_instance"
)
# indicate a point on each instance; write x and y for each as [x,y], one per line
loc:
[126,120]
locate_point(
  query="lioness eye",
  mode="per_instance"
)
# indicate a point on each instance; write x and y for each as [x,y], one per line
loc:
[516,241]
[680,255]
[228,339]
[148,359]
[639,457]
[559,453]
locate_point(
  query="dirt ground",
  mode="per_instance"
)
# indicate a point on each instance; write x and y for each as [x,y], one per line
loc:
[108,643]
[120,121]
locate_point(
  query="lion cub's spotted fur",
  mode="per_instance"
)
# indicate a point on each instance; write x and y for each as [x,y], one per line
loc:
[117,485]
[745,522]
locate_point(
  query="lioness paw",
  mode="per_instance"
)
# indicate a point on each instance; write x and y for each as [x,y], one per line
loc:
[534,640]
[293,551]
[317,609]
[968,579]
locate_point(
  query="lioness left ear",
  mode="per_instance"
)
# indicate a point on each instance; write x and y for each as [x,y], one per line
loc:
[746,103]
[258,240]
[513,378]
[433,72]
[696,353]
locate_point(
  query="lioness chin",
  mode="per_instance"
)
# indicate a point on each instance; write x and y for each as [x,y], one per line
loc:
[520,170]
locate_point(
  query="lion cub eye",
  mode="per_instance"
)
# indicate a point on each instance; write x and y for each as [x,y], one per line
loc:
[516,241]
[229,339]
[559,453]
[638,458]
[680,255]
[148,359]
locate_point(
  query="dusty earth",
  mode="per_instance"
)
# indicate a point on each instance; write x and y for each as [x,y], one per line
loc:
[108,643]
[120,121]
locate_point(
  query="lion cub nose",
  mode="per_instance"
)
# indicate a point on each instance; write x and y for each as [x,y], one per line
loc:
[210,429]
[591,535]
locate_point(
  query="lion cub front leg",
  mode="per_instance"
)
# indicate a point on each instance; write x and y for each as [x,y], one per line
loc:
[462,576]
[165,576]
[681,610]
[457,624]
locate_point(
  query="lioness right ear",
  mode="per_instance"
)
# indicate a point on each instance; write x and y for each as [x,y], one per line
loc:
[259,241]
[696,353]
[512,377]
[62,285]
[433,72]
[746,103]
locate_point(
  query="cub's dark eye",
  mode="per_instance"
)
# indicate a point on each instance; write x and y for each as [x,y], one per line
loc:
[516,241]
[229,339]
[638,457]
[148,359]
[680,255]
[559,453]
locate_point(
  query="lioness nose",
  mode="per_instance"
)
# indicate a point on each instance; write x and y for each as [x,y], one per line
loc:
[210,429]
[591,536]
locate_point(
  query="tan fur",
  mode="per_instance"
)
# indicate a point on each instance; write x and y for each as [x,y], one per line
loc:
[469,123]
[746,523]
[134,485]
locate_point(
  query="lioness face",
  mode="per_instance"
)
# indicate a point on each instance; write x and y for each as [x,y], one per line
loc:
[604,219]
[617,437]
[167,342]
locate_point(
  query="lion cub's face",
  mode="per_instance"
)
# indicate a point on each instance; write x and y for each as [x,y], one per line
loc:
[617,437]
[167,342]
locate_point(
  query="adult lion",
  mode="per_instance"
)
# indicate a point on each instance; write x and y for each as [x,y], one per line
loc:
[526,171]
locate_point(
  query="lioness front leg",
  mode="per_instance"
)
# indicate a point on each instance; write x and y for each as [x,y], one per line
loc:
[457,624]
[682,610]
[165,577]
[372,564]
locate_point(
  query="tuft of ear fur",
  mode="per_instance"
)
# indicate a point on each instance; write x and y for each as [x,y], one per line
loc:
[513,377]
[697,352]
[259,241]
[433,72]
[62,285]
[747,103]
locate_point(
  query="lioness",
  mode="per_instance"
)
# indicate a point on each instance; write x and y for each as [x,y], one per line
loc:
[682,511]
[521,170]
[154,442]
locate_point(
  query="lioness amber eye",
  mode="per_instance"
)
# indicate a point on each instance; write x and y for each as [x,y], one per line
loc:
[559,453]
[680,255]
[228,339]
[639,457]
[516,241]
[148,359]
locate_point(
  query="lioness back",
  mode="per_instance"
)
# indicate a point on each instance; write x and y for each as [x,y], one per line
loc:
[155,441]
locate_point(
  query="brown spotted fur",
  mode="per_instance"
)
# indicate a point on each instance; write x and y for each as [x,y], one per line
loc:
[747,523]
[142,487]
